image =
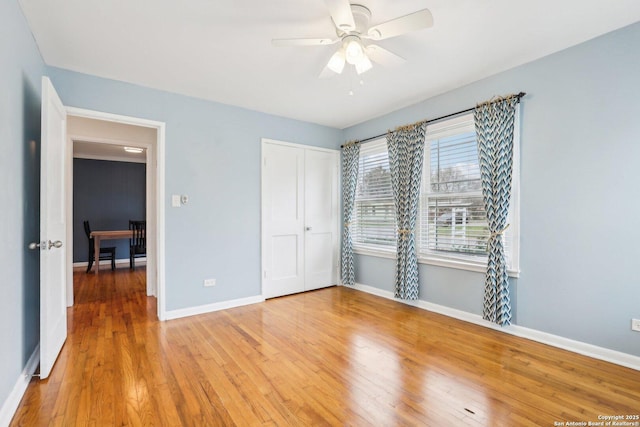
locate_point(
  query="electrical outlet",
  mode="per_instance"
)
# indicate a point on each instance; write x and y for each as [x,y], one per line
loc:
[209,282]
[635,325]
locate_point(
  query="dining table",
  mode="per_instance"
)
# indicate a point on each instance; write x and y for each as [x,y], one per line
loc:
[100,235]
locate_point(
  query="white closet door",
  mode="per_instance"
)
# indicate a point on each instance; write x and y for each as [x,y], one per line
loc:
[283,220]
[299,218]
[321,216]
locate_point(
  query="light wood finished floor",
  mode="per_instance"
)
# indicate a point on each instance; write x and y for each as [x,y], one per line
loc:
[330,357]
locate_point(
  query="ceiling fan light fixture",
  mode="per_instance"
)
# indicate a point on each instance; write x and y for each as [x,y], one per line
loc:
[353,49]
[363,65]
[336,63]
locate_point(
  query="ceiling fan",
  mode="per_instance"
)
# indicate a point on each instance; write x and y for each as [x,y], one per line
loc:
[353,33]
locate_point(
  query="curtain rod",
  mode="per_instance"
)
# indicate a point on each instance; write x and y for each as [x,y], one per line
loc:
[519,95]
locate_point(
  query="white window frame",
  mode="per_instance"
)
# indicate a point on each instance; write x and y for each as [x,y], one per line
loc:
[473,262]
[461,261]
[386,251]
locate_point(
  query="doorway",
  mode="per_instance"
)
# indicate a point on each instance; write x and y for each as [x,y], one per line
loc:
[105,131]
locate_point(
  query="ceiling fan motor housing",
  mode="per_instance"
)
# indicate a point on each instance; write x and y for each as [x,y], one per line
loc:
[361,17]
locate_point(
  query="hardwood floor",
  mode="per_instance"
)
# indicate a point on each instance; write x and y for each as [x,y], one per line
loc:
[330,357]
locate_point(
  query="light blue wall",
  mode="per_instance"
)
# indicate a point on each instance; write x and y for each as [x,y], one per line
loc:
[580,197]
[580,179]
[213,156]
[20,70]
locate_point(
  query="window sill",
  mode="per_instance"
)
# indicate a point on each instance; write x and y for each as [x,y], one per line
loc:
[390,254]
[478,267]
[462,264]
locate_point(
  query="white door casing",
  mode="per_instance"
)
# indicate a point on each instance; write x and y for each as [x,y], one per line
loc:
[155,178]
[299,218]
[53,307]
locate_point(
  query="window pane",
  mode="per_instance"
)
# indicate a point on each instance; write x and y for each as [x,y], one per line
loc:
[375,222]
[374,225]
[455,224]
[374,177]
[452,219]
[454,164]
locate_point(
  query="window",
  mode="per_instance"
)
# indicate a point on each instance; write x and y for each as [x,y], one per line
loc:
[452,217]
[374,227]
[452,225]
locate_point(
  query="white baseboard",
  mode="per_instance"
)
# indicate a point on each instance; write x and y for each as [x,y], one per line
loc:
[9,406]
[601,353]
[208,308]
[108,262]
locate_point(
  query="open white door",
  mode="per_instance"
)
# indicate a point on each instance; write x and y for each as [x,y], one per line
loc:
[53,307]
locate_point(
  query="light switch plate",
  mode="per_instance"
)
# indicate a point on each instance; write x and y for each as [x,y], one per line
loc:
[175,201]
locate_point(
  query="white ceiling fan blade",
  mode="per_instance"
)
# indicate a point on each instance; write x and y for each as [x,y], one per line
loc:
[405,24]
[383,56]
[303,42]
[340,11]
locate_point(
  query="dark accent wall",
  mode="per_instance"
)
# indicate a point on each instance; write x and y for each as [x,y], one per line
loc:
[107,194]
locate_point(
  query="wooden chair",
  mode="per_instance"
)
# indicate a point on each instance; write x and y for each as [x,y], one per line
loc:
[108,252]
[138,242]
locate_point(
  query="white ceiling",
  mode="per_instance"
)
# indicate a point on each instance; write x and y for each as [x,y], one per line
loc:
[100,151]
[221,50]
[105,140]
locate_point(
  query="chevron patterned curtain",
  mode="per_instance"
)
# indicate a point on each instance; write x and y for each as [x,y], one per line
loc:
[350,157]
[494,121]
[406,153]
